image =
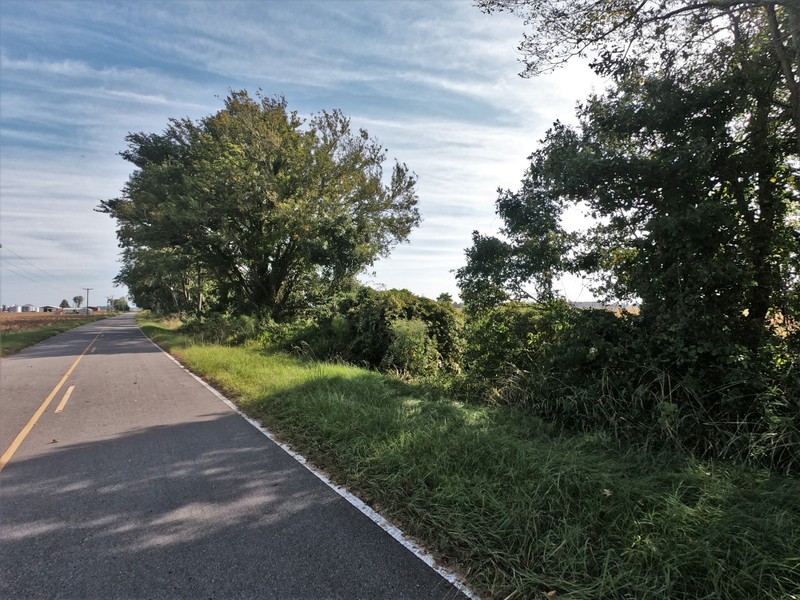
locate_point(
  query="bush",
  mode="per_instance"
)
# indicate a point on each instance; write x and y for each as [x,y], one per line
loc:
[547,338]
[594,370]
[411,351]
[496,341]
[360,327]
[219,328]
[393,329]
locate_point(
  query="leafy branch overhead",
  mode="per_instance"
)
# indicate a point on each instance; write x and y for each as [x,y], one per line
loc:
[688,162]
[253,209]
[689,167]
[619,36]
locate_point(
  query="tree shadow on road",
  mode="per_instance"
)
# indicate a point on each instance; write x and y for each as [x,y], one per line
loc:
[208,509]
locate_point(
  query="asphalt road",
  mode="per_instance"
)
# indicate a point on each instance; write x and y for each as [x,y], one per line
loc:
[146,485]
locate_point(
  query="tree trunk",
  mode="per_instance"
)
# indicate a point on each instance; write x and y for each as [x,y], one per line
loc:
[789,56]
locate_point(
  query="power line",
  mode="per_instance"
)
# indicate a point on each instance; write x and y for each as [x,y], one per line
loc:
[52,284]
[28,277]
[21,274]
[25,260]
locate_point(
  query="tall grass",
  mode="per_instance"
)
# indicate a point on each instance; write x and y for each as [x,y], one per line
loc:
[522,510]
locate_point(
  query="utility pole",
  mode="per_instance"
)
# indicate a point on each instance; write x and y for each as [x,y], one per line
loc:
[87,299]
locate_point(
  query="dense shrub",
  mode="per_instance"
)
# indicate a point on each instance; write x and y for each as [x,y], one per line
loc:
[394,330]
[411,351]
[219,328]
[373,312]
[585,370]
[496,341]
[371,327]
[391,330]
[597,370]
[553,338]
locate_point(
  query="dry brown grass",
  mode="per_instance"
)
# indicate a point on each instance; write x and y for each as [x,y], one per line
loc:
[10,321]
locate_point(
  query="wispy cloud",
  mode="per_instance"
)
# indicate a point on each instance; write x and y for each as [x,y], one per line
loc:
[435,82]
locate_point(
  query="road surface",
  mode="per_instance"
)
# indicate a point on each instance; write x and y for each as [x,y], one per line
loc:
[124,477]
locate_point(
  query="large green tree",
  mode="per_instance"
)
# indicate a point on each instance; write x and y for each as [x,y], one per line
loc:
[120,304]
[165,280]
[532,251]
[689,165]
[690,174]
[256,208]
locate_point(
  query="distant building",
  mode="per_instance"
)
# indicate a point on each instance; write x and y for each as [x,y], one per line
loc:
[29,308]
[15,308]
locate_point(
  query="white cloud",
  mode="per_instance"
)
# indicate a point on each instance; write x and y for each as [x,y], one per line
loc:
[435,82]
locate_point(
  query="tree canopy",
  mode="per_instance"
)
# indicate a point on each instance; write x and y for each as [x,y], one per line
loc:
[255,210]
[689,166]
[120,304]
[691,173]
[672,35]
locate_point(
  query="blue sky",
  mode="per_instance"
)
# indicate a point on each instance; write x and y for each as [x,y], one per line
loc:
[435,81]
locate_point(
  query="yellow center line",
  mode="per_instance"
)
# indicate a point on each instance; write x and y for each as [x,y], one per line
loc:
[27,429]
[65,398]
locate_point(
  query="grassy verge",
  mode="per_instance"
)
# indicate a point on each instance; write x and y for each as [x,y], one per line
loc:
[521,510]
[14,341]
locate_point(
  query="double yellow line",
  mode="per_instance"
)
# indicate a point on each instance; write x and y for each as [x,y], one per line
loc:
[27,429]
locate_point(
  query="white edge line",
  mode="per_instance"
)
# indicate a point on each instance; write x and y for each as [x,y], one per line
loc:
[373,515]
